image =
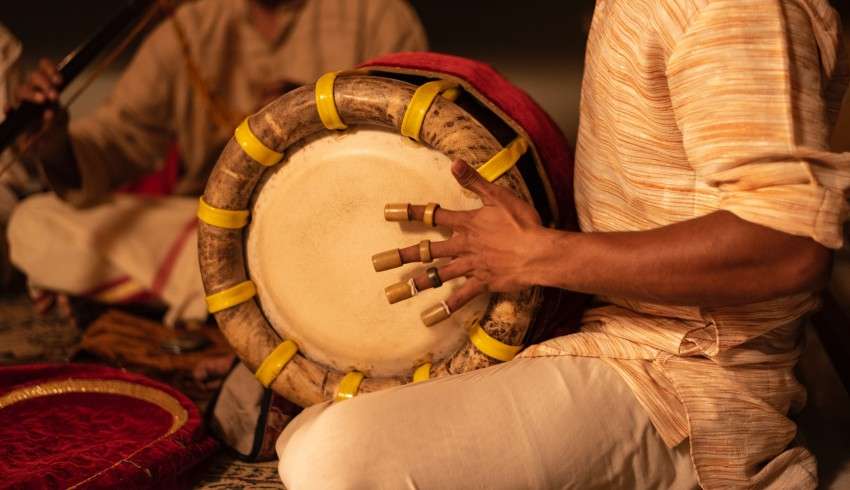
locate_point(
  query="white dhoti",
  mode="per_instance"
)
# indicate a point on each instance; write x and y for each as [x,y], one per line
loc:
[127,248]
[561,422]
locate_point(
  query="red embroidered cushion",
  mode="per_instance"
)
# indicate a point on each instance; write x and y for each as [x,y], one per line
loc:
[95,427]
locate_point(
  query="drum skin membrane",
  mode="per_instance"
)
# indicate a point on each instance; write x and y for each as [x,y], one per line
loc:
[317,219]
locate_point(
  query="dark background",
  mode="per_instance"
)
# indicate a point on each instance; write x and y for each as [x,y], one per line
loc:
[538,44]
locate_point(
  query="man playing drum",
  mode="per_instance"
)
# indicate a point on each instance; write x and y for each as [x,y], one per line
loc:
[709,201]
[191,82]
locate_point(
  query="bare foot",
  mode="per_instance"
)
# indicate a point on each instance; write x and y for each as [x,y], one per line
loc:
[44,302]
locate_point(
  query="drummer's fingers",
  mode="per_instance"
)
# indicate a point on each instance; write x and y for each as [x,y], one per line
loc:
[456,268]
[441,311]
[442,217]
[469,178]
[452,247]
[466,293]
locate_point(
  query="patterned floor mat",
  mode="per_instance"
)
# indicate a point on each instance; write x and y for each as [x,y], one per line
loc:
[25,337]
[226,472]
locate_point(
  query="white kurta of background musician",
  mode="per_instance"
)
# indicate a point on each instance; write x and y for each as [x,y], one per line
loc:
[316,223]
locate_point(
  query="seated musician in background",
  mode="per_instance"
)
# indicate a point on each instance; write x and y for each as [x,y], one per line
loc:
[709,200]
[191,82]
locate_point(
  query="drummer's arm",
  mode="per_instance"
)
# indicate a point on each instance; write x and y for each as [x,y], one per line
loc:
[757,140]
[716,260]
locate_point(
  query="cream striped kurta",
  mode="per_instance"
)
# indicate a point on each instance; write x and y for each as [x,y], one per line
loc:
[689,107]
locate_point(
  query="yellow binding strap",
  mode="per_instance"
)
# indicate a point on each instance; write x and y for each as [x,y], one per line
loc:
[349,386]
[504,160]
[421,101]
[325,103]
[222,218]
[422,373]
[255,148]
[275,362]
[490,346]
[231,297]
[451,94]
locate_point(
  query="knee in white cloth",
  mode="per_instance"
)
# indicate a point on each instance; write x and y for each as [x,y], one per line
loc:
[29,230]
[48,242]
[333,446]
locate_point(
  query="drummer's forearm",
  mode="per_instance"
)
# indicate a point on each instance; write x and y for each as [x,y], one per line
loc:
[715,260]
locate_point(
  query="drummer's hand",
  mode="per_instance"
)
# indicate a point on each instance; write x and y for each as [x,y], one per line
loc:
[491,246]
[42,88]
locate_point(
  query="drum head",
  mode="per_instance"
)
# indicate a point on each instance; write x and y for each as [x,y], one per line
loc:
[317,221]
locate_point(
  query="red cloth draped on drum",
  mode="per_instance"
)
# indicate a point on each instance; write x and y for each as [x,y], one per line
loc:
[561,310]
[95,427]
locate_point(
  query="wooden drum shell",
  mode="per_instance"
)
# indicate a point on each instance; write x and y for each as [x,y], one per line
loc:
[360,100]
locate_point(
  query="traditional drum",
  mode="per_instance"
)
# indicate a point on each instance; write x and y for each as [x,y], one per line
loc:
[296,210]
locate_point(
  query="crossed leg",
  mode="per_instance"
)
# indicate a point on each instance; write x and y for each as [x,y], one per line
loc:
[561,422]
[121,249]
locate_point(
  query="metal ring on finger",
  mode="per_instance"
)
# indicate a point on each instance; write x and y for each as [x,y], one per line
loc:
[434,277]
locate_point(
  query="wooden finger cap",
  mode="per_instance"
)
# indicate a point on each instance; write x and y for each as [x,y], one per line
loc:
[425,251]
[397,212]
[398,292]
[385,261]
[428,216]
[435,314]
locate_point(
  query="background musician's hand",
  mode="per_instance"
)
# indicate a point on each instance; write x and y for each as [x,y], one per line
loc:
[42,87]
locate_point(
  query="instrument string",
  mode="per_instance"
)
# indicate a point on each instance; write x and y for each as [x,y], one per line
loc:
[117,51]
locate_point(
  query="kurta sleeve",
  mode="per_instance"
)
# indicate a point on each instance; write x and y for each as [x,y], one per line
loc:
[747,86]
[392,26]
[128,135]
